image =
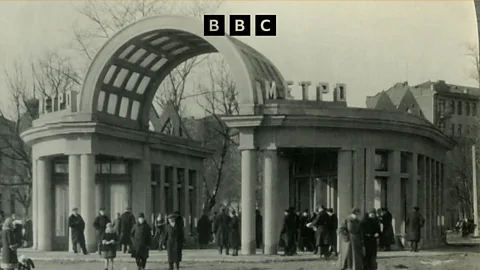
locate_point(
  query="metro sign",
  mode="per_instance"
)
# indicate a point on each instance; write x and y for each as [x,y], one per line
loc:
[271,91]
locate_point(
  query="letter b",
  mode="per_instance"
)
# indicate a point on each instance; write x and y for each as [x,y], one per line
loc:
[214,25]
[239,25]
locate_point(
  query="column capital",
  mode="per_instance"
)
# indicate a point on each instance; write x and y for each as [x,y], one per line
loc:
[246,139]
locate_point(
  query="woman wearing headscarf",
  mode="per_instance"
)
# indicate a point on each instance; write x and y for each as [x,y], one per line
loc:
[9,246]
[174,236]
[109,245]
[141,237]
[351,236]
[371,232]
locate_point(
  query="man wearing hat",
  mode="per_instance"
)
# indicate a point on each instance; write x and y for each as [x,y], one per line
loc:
[414,224]
[127,220]
[371,232]
[321,231]
[221,230]
[352,249]
[174,237]
[100,224]
[77,225]
[141,237]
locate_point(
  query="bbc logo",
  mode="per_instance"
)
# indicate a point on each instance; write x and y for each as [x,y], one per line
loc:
[240,25]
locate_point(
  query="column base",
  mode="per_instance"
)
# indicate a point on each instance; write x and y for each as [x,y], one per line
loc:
[249,248]
[270,250]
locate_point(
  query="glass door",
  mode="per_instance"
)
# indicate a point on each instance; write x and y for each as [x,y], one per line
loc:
[119,198]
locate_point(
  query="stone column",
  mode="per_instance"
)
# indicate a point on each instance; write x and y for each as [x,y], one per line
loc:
[431,201]
[200,192]
[249,180]
[100,195]
[142,186]
[377,190]
[422,195]
[163,207]
[45,204]
[270,202]
[35,203]
[74,187]
[186,201]
[359,179]
[412,197]
[394,186]
[175,188]
[370,179]
[344,186]
[87,202]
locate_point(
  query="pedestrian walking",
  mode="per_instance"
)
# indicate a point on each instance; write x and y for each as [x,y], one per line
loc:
[321,231]
[77,225]
[141,237]
[414,224]
[100,225]
[204,231]
[303,231]
[289,231]
[174,237]
[127,221]
[352,248]
[234,233]
[332,226]
[9,246]
[388,237]
[258,228]
[371,233]
[109,245]
[221,231]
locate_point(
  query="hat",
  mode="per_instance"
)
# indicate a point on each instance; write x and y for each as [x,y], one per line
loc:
[75,209]
[102,209]
[416,208]
[142,215]
[330,210]
[172,216]
[373,211]
[356,210]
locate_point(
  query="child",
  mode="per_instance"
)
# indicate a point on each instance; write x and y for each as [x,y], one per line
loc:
[109,245]
[25,263]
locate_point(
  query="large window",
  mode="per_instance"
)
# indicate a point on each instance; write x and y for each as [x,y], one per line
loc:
[459,130]
[381,161]
[112,167]
[474,109]
[460,108]
[441,106]
[452,107]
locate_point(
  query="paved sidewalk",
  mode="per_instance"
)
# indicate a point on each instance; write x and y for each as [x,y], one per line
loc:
[212,256]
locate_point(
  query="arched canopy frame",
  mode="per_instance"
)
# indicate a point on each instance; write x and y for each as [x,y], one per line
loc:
[124,76]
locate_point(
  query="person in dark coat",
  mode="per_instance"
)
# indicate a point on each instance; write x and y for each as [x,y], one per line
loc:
[414,224]
[321,231]
[371,232]
[180,219]
[77,225]
[100,225]
[234,233]
[303,231]
[204,231]
[297,221]
[28,231]
[352,248]
[109,245]
[127,221]
[174,237]
[18,231]
[388,237]
[9,246]
[159,232]
[258,228]
[221,231]
[288,232]
[141,240]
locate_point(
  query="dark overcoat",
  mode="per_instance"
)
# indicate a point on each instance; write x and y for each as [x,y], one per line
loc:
[321,233]
[127,221]
[76,223]
[9,250]
[259,228]
[174,236]
[351,248]
[289,229]
[370,228]
[204,230]
[141,239]
[109,250]
[414,224]
[332,226]
[388,237]
[18,234]
[234,232]
[28,226]
[221,229]
[100,224]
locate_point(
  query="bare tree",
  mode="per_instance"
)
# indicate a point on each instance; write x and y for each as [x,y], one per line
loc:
[103,19]
[220,99]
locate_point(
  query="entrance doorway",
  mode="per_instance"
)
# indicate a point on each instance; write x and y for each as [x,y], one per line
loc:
[119,198]
[60,239]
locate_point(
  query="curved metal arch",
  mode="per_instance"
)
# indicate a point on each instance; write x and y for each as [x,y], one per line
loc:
[127,71]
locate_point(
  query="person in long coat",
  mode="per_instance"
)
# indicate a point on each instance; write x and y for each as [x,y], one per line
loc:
[351,246]
[174,237]
[159,232]
[221,231]
[371,232]
[414,224]
[77,225]
[258,228]
[234,232]
[109,245]
[127,221]
[388,237]
[204,230]
[9,246]
[289,231]
[28,231]
[100,225]
[141,240]
[303,231]
[321,231]
[18,231]
[332,226]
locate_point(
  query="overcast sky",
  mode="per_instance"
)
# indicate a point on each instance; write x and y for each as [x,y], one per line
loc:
[367,45]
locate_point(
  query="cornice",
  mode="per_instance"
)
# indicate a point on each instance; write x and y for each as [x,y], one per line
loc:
[243,121]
